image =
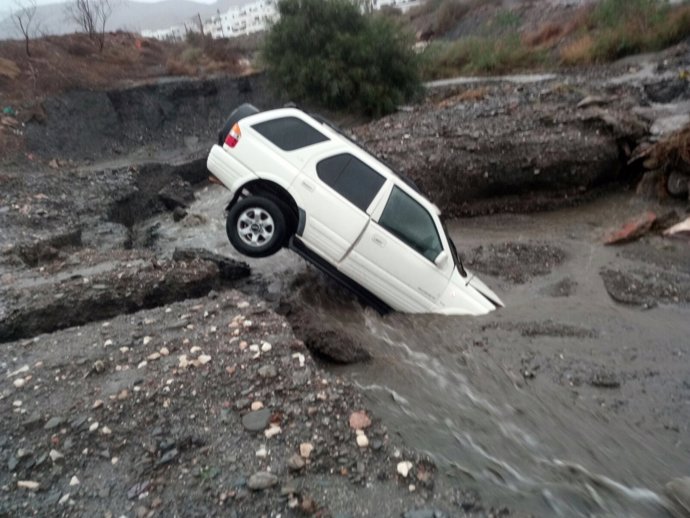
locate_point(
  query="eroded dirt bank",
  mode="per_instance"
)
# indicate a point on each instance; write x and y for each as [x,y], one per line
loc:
[168,113]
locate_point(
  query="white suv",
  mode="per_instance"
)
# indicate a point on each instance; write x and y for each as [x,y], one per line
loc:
[298,181]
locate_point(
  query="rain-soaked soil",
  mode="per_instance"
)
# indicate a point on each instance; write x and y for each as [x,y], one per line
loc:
[565,403]
[570,401]
[142,375]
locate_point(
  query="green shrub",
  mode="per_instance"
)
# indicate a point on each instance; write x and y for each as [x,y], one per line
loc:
[329,53]
[506,19]
[480,55]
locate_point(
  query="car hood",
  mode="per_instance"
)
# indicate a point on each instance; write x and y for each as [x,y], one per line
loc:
[468,296]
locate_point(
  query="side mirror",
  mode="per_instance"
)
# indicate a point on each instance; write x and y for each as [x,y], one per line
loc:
[441,258]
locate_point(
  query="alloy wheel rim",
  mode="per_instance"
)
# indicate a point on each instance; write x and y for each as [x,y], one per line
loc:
[255,227]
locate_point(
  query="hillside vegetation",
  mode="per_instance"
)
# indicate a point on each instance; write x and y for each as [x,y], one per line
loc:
[476,37]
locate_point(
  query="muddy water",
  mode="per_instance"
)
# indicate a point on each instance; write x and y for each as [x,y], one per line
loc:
[505,404]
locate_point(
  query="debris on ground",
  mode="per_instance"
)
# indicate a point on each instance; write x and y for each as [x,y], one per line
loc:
[679,230]
[633,229]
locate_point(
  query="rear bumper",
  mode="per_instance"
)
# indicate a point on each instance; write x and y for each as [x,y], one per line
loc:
[230,171]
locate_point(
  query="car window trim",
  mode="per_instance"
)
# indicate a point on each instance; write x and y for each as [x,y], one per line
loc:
[374,201]
[382,207]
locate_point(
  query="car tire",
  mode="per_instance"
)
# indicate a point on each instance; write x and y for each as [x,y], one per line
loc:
[256,226]
[239,113]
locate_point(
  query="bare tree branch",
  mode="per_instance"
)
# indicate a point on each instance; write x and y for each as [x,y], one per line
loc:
[91,16]
[23,18]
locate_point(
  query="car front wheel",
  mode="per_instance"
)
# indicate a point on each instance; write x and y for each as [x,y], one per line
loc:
[256,227]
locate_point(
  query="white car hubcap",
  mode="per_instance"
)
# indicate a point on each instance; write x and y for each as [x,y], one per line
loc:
[255,227]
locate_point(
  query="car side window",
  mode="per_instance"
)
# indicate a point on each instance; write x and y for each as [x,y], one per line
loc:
[412,223]
[351,178]
[289,133]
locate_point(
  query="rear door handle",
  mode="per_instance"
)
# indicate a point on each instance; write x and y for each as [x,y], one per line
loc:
[308,186]
[378,240]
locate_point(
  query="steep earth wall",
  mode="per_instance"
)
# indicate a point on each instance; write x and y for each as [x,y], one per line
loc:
[170,113]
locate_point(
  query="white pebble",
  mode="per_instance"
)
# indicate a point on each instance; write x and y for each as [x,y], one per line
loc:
[147,340]
[404,468]
[305,449]
[55,455]
[272,431]
[74,481]
[265,347]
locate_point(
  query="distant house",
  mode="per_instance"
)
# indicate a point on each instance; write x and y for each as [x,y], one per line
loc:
[245,19]
[236,21]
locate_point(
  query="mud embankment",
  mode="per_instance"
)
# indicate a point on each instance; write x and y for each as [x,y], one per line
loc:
[170,113]
[497,147]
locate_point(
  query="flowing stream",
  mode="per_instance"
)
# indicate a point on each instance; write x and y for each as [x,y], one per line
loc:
[505,404]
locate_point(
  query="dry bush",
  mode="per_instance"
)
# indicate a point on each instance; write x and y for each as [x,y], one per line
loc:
[223,50]
[471,95]
[424,9]
[177,67]
[9,69]
[671,153]
[191,55]
[617,28]
[449,14]
[578,51]
[80,50]
[545,36]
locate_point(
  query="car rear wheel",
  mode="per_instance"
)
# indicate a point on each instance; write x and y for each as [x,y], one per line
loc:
[256,226]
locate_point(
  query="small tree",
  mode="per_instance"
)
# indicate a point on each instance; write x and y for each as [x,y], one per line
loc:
[23,18]
[328,52]
[91,16]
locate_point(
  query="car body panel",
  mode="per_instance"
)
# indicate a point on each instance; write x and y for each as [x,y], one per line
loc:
[406,271]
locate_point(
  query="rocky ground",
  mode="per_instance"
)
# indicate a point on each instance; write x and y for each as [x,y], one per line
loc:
[207,407]
[137,380]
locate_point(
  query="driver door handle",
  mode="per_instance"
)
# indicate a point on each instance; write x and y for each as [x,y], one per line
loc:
[378,240]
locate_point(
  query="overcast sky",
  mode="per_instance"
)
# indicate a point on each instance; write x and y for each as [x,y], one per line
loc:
[7,5]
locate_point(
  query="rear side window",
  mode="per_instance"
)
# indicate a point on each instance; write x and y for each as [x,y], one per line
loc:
[351,178]
[289,133]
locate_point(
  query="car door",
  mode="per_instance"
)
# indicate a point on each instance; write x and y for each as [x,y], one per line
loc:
[336,190]
[395,256]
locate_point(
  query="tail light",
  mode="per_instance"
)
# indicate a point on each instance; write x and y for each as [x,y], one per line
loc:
[234,136]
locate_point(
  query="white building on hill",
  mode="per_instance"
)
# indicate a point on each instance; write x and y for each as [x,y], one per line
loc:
[245,19]
[236,21]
